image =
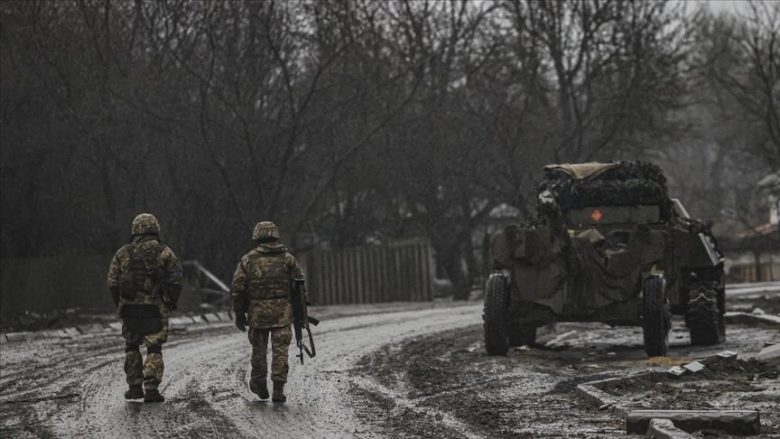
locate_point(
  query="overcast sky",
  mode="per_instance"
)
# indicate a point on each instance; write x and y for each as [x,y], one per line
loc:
[727,5]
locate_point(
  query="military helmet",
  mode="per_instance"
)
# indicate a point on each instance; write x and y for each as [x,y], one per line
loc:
[265,231]
[145,224]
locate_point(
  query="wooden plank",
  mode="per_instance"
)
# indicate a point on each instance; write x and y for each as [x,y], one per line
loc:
[372,275]
[429,274]
[330,274]
[347,274]
[419,294]
[410,281]
[352,275]
[385,277]
[356,273]
[729,421]
[367,275]
[342,257]
[361,274]
[339,272]
[408,272]
[385,293]
[414,286]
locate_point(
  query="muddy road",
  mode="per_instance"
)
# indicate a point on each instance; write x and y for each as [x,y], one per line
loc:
[397,372]
[444,385]
[55,388]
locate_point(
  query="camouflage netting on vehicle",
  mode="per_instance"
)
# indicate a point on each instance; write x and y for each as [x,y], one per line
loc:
[630,183]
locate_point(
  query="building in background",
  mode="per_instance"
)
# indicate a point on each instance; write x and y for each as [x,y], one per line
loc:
[754,256]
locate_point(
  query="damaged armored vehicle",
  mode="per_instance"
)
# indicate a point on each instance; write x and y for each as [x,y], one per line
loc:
[608,245]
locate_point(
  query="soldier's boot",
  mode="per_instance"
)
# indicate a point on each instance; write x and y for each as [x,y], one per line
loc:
[135,392]
[260,389]
[279,392]
[153,395]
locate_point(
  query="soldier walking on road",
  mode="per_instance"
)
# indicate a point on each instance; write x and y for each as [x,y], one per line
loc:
[144,279]
[262,288]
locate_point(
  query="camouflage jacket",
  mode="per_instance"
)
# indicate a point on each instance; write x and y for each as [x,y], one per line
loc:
[262,285]
[169,268]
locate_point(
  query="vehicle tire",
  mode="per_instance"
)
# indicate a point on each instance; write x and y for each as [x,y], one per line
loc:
[704,318]
[656,318]
[522,335]
[494,315]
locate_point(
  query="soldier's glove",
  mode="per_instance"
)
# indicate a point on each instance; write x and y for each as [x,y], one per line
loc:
[241,321]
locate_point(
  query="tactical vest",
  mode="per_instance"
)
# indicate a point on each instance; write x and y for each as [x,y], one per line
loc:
[268,276]
[143,270]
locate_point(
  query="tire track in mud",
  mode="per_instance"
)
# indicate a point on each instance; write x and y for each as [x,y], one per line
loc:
[444,385]
[205,383]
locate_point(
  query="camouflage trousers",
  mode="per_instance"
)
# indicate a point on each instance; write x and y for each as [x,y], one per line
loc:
[148,372]
[280,343]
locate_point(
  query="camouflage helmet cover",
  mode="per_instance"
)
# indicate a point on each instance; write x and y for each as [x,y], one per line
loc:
[265,231]
[145,224]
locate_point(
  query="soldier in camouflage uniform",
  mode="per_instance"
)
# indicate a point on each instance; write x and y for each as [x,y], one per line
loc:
[135,276]
[261,288]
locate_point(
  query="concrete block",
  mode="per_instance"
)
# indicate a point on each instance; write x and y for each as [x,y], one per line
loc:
[665,429]
[180,321]
[71,332]
[597,397]
[677,371]
[769,353]
[92,328]
[730,421]
[224,316]
[694,367]
[14,337]
[727,355]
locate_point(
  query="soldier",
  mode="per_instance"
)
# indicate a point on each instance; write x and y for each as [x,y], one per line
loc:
[145,272]
[262,288]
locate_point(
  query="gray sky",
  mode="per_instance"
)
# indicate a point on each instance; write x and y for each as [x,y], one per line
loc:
[726,5]
[730,5]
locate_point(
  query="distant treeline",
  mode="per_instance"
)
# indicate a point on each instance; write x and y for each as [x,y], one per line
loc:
[352,122]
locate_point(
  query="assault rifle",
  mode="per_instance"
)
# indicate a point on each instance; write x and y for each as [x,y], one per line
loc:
[301,319]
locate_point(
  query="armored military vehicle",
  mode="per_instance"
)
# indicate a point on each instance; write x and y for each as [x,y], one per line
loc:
[608,245]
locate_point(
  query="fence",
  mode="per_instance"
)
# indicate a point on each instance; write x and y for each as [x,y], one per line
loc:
[361,275]
[371,274]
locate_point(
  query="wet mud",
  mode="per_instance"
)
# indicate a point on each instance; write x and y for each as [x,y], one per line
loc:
[451,388]
[413,371]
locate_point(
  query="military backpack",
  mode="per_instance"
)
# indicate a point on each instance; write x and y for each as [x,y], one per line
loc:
[143,271]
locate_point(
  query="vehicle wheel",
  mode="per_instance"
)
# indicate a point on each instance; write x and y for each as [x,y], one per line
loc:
[705,321]
[520,335]
[494,315]
[656,318]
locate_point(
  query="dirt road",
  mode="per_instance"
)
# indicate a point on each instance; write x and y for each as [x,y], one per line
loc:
[396,373]
[444,385]
[74,388]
